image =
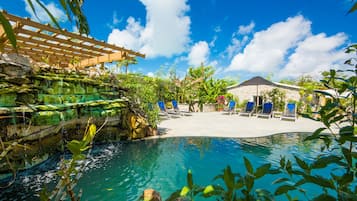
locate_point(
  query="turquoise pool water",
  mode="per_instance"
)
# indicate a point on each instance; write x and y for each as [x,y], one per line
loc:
[122,171]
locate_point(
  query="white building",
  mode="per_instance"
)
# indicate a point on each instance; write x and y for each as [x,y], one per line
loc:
[253,89]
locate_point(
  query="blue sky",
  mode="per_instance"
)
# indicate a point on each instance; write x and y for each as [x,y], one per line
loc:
[241,39]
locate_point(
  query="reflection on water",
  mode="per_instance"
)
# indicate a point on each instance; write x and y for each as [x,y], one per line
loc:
[122,171]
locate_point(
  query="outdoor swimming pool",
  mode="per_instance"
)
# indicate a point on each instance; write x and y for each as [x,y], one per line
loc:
[122,171]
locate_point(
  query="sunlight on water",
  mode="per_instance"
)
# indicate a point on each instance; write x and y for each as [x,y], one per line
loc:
[122,171]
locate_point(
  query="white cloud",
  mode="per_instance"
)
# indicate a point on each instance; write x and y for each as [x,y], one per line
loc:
[75,29]
[128,37]
[289,49]
[42,16]
[315,54]
[166,32]
[199,53]
[150,74]
[243,30]
[213,41]
[268,48]
[217,29]
[236,46]
[115,21]
[239,39]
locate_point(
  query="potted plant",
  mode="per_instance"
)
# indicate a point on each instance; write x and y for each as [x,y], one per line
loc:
[220,103]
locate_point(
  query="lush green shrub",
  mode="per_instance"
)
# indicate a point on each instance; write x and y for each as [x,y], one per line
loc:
[340,184]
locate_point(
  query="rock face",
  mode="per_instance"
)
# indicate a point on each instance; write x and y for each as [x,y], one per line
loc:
[138,126]
[41,108]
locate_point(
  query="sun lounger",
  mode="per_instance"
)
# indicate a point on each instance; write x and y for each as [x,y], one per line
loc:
[231,107]
[165,112]
[289,112]
[248,110]
[177,109]
[267,110]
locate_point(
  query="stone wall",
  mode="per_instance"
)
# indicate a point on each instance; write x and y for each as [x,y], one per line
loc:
[42,107]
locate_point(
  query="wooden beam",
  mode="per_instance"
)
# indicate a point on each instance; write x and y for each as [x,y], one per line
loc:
[3,38]
[56,46]
[28,22]
[62,47]
[59,40]
[101,59]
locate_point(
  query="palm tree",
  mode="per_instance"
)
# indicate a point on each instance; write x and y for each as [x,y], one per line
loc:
[126,62]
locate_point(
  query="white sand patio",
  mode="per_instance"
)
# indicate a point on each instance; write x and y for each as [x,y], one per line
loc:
[218,124]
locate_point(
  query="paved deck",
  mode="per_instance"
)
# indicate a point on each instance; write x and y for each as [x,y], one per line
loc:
[218,124]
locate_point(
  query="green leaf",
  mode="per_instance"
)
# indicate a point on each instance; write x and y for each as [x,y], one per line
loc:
[53,19]
[208,190]
[337,119]
[79,157]
[189,179]
[298,172]
[274,171]
[289,167]
[315,134]
[65,8]
[322,162]
[347,138]
[347,130]
[264,194]
[324,197]
[89,136]
[248,165]
[300,182]
[321,181]
[249,182]
[29,2]
[347,154]
[326,118]
[280,180]
[346,179]
[353,8]
[239,184]
[8,30]
[228,177]
[302,164]
[282,162]
[174,196]
[284,189]
[262,170]
[184,191]
[44,194]
[74,147]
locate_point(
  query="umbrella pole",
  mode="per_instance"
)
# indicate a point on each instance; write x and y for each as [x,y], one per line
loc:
[256,101]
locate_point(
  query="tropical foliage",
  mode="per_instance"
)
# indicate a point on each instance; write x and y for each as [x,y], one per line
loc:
[143,92]
[338,155]
[277,97]
[71,169]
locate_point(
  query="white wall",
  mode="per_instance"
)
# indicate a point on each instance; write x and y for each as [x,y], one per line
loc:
[247,92]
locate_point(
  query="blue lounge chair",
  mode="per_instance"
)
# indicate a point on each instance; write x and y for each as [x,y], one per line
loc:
[289,112]
[231,107]
[249,109]
[164,111]
[162,108]
[177,109]
[175,106]
[267,110]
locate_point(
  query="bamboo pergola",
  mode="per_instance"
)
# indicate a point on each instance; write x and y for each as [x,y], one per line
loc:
[59,47]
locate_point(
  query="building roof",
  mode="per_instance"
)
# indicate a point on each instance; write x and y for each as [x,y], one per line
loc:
[44,43]
[261,81]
